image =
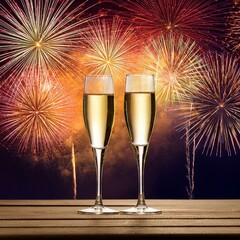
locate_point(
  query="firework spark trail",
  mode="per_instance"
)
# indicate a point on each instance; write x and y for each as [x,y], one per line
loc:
[193,166]
[200,20]
[110,48]
[190,165]
[37,116]
[190,158]
[73,160]
[176,64]
[215,119]
[39,35]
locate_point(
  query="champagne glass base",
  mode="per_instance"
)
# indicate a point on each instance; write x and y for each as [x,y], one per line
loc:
[141,209]
[98,209]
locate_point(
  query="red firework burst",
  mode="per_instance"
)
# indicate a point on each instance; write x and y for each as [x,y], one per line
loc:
[200,20]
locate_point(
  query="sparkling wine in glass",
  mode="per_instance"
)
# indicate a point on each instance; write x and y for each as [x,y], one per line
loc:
[98,112]
[140,109]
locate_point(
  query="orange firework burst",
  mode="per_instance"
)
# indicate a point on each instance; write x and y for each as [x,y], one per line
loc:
[176,64]
[37,115]
[110,48]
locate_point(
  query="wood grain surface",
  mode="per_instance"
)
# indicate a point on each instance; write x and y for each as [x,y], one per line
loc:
[49,219]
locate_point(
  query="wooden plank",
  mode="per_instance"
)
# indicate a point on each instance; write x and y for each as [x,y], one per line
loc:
[121,223]
[74,217]
[38,218]
[106,231]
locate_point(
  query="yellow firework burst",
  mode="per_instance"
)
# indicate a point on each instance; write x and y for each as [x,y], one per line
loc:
[110,48]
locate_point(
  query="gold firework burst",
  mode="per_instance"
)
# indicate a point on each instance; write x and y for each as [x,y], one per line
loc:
[39,35]
[110,48]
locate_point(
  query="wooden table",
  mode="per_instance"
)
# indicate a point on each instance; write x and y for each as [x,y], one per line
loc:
[58,219]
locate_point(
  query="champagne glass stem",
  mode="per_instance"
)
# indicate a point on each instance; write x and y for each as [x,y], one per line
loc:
[141,152]
[99,155]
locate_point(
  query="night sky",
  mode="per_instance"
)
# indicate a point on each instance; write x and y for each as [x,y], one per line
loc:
[27,177]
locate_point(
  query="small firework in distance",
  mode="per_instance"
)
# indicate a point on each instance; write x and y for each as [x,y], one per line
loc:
[37,115]
[215,115]
[39,34]
[176,64]
[200,20]
[110,48]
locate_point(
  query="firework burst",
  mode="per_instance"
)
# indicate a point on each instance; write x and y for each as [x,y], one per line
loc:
[215,115]
[199,20]
[234,31]
[176,64]
[110,48]
[37,115]
[39,34]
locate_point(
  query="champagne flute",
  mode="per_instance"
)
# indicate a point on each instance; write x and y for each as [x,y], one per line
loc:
[98,112]
[139,109]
